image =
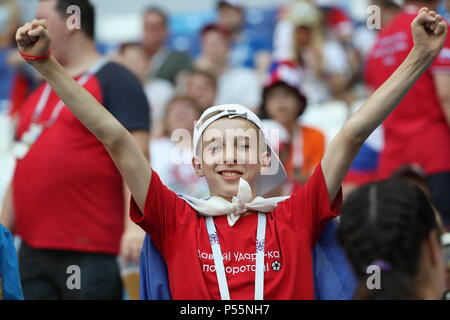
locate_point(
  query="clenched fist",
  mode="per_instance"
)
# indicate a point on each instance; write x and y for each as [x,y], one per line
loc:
[33,39]
[429,32]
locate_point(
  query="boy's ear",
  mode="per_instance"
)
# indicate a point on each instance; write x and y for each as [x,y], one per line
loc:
[265,162]
[198,168]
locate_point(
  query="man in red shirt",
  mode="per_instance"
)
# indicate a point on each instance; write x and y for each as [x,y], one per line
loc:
[418,131]
[211,258]
[67,199]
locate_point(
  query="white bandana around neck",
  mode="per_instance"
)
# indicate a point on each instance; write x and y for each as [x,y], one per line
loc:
[217,206]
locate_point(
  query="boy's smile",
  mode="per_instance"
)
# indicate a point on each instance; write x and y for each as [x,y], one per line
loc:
[230,174]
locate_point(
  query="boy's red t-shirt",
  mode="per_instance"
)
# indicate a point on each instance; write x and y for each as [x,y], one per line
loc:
[291,232]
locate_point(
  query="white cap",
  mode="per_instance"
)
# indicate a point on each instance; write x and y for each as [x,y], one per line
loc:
[276,175]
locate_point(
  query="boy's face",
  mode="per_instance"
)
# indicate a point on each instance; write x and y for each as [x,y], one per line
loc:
[230,151]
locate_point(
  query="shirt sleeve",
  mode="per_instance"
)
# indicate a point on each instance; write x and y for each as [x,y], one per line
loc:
[309,209]
[164,212]
[124,97]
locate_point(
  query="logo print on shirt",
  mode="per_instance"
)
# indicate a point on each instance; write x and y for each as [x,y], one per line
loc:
[214,238]
[260,245]
[276,266]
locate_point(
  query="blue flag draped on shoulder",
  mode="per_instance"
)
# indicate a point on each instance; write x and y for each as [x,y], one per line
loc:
[333,278]
[10,287]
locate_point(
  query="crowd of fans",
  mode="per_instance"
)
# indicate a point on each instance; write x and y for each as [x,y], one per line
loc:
[318,56]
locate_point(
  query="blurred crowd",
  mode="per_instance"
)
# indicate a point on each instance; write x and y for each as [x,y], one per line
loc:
[316,57]
[304,81]
[315,54]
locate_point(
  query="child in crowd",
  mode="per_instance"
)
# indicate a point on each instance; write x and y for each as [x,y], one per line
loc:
[209,245]
[284,102]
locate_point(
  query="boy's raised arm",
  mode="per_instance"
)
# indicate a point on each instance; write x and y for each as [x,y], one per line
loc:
[33,41]
[429,34]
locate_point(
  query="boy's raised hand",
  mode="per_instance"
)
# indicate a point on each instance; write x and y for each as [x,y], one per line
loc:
[33,39]
[429,32]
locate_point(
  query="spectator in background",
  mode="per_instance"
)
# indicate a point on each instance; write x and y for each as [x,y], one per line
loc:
[336,20]
[9,21]
[419,130]
[67,199]
[234,84]
[340,28]
[201,86]
[300,37]
[158,91]
[392,226]
[364,38]
[164,62]
[248,49]
[172,154]
[285,103]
